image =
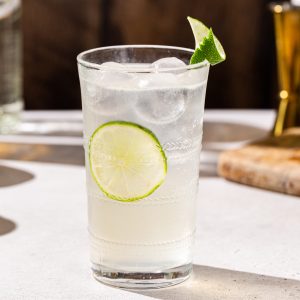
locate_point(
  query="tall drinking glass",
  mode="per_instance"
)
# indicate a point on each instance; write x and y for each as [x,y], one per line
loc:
[143,118]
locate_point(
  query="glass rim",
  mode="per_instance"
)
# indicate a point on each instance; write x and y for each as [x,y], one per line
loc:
[81,61]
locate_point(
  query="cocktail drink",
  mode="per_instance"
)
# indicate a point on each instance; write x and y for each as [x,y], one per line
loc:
[143,113]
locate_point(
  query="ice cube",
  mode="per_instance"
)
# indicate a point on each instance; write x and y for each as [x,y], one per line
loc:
[106,92]
[111,74]
[111,101]
[193,77]
[155,80]
[108,101]
[160,106]
[115,79]
[169,63]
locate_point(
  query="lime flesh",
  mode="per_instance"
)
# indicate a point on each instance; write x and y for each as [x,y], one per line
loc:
[126,160]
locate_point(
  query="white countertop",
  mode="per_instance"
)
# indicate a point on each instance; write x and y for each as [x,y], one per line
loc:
[240,229]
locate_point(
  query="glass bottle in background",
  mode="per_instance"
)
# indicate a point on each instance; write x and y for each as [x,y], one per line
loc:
[11,102]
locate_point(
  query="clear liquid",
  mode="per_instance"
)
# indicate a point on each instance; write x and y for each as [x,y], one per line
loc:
[10,68]
[154,233]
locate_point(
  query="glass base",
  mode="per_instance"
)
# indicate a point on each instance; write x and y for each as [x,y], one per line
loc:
[141,280]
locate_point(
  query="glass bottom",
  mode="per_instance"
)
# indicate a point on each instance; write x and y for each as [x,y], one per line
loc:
[10,117]
[141,280]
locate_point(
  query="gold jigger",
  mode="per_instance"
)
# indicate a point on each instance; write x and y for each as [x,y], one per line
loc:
[287,34]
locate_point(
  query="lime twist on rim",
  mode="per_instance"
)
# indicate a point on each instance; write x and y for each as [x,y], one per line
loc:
[207,46]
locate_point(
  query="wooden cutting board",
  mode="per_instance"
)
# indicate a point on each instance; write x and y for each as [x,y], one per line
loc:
[272,163]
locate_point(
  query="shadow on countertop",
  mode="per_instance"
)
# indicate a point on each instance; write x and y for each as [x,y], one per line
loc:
[227,132]
[6,226]
[208,283]
[59,154]
[10,176]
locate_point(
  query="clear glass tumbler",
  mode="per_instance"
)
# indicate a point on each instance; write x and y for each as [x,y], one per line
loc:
[151,113]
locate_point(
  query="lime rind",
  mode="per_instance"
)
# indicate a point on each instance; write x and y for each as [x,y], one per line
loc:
[158,146]
[206,51]
[208,47]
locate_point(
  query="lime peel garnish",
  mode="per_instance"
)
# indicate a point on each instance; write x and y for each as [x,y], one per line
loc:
[207,46]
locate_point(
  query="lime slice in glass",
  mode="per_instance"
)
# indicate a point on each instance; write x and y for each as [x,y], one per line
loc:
[207,46]
[126,160]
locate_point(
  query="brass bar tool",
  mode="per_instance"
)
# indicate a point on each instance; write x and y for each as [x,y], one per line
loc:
[287,33]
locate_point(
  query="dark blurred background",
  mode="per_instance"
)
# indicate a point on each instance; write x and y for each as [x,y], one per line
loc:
[55,31]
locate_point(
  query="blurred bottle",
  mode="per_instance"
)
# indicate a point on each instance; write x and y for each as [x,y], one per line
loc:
[11,103]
